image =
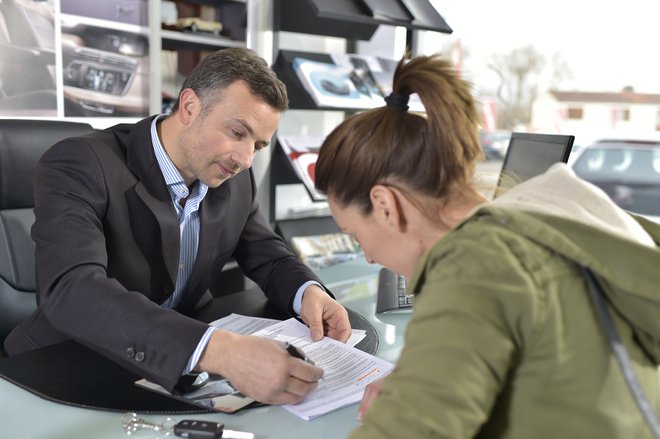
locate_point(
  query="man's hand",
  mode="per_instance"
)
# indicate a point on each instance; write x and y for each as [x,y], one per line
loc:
[324,315]
[259,368]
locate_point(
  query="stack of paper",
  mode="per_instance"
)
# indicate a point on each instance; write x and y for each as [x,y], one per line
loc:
[347,370]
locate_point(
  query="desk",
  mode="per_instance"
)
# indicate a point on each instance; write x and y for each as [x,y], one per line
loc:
[26,416]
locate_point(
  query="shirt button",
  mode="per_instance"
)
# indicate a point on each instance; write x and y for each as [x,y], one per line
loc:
[130,352]
[139,356]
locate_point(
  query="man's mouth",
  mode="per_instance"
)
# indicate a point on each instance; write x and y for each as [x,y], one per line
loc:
[226,171]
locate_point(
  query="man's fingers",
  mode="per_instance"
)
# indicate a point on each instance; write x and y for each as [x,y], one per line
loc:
[339,334]
[316,330]
[299,387]
[306,372]
[302,381]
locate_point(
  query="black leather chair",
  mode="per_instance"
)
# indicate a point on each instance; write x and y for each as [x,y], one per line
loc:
[22,142]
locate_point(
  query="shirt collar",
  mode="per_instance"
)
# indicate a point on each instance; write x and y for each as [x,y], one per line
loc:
[173,178]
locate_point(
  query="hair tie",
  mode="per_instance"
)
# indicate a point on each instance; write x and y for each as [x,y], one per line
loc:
[397,102]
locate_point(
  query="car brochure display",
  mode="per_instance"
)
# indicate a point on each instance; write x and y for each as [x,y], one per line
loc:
[347,370]
[330,85]
[376,74]
[350,81]
[302,152]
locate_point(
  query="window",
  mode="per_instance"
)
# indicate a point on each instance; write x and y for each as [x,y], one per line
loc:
[575,113]
[624,114]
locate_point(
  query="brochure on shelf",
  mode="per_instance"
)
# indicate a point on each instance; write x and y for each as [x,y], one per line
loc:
[302,152]
[370,71]
[377,74]
[331,85]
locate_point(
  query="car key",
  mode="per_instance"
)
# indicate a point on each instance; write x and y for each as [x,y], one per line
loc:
[191,429]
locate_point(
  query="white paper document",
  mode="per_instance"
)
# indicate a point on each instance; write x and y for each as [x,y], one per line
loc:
[347,370]
[243,325]
[246,325]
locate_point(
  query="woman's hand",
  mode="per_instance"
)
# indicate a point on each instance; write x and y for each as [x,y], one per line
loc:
[370,394]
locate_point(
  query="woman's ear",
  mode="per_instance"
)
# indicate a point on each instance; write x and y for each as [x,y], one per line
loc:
[387,207]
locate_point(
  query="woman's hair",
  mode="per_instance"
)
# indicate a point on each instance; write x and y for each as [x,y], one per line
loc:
[433,155]
[220,69]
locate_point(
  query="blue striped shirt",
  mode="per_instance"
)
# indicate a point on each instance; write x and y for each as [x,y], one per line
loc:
[188,223]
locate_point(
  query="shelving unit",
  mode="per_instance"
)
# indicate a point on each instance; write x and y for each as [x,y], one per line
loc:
[351,20]
[171,40]
[346,20]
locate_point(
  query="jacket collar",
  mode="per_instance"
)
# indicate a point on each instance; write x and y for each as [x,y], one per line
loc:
[142,160]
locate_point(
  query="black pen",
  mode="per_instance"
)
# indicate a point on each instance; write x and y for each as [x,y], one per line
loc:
[296,352]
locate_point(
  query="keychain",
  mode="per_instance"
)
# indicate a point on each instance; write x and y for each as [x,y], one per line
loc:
[189,429]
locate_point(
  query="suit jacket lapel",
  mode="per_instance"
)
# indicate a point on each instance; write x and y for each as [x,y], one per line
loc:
[153,193]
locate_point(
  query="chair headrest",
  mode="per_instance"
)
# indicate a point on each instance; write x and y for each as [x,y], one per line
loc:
[22,143]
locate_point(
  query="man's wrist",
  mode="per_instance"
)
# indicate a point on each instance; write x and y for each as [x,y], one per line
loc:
[197,353]
[213,356]
[297,301]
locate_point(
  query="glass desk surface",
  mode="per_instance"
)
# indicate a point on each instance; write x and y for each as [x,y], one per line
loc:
[24,415]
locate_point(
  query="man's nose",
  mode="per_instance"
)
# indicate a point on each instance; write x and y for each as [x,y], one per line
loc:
[244,158]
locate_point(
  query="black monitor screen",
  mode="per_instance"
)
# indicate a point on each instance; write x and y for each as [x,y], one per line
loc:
[531,154]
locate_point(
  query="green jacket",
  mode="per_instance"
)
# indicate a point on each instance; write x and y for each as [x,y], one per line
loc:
[504,341]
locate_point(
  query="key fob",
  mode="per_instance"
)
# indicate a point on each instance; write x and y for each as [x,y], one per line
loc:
[198,429]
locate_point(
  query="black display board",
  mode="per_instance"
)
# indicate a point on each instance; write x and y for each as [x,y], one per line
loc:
[356,19]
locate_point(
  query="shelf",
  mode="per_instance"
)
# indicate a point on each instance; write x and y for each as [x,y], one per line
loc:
[352,19]
[214,2]
[173,40]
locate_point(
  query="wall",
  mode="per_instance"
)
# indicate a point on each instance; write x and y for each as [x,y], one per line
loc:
[550,115]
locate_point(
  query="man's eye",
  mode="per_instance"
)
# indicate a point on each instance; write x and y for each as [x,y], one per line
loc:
[237,134]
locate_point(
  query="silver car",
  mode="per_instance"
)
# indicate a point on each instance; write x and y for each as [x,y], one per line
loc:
[627,169]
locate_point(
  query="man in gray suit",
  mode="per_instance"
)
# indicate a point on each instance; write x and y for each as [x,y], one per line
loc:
[133,223]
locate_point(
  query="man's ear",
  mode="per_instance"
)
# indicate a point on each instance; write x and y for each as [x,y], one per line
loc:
[387,207]
[189,106]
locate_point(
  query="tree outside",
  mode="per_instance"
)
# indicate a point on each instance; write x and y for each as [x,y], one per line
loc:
[523,73]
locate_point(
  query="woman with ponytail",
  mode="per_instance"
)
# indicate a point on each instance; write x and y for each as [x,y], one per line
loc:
[504,340]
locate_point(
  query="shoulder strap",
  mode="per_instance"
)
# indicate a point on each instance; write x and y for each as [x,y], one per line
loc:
[620,352]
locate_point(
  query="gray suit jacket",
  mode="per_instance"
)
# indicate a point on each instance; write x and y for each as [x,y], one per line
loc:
[107,250]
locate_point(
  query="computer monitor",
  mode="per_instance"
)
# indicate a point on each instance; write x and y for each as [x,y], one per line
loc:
[531,154]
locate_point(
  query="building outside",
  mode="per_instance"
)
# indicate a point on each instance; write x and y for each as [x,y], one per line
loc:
[585,114]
